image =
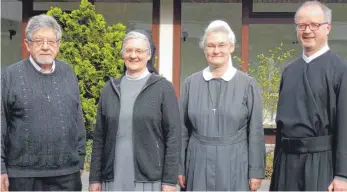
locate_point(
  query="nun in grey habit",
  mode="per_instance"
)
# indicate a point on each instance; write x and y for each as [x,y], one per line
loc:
[221,112]
[136,142]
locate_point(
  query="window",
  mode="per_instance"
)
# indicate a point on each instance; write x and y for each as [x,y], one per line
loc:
[11,27]
[46,5]
[268,69]
[133,14]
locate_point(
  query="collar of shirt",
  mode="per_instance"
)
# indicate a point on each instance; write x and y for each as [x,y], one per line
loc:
[317,54]
[37,67]
[143,75]
[227,76]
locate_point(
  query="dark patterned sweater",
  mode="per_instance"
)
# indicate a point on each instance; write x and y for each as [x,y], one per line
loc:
[42,129]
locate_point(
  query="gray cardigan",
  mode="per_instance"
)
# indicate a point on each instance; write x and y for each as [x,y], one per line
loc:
[156,133]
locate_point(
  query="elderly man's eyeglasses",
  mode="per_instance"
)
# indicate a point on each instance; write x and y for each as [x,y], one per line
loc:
[312,26]
[40,42]
[137,51]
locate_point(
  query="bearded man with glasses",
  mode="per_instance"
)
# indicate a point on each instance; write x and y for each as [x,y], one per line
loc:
[311,152]
[42,128]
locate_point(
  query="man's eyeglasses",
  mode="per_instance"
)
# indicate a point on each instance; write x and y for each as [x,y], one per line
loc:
[312,26]
[40,42]
[222,47]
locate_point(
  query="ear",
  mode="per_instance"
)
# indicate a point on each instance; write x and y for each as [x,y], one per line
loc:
[26,43]
[328,28]
[59,45]
[148,57]
[232,48]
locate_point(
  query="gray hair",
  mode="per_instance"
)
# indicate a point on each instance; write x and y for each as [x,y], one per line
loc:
[327,12]
[136,35]
[218,26]
[42,21]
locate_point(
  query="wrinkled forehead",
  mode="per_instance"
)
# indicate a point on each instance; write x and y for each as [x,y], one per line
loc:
[44,33]
[136,43]
[217,37]
[308,14]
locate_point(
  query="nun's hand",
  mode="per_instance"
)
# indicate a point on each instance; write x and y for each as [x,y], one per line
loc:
[168,188]
[254,184]
[95,187]
[182,181]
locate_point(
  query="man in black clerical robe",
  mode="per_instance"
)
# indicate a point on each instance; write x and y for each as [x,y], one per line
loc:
[311,143]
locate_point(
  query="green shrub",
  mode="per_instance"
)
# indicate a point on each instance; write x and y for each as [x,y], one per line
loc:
[92,49]
[267,70]
[89,147]
[269,164]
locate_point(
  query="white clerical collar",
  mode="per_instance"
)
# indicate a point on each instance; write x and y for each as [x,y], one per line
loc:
[143,75]
[317,54]
[227,76]
[37,67]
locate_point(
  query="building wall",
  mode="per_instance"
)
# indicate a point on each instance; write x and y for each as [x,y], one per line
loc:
[10,19]
[195,17]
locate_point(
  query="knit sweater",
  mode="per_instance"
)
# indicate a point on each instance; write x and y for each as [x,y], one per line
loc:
[42,129]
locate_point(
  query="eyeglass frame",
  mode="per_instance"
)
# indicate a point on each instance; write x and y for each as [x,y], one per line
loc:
[309,26]
[137,51]
[52,43]
[212,48]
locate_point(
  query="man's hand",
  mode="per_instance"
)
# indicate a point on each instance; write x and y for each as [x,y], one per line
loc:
[4,182]
[182,181]
[81,171]
[254,184]
[337,185]
[95,187]
[168,188]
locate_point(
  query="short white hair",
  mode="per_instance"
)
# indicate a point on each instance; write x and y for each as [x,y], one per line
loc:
[42,21]
[136,35]
[218,26]
[327,12]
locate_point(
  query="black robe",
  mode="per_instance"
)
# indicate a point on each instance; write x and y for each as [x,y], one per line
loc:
[312,106]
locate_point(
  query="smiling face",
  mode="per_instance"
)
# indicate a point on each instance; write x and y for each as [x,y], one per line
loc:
[314,35]
[136,55]
[43,46]
[217,48]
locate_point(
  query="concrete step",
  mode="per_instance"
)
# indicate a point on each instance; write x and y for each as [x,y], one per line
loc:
[85,182]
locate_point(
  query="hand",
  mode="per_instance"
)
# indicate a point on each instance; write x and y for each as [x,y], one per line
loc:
[182,181]
[254,184]
[95,187]
[4,183]
[168,188]
[81,171]
[337,185]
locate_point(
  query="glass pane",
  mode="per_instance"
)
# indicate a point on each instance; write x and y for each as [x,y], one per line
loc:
[338,7]
[133,15]
[11,27]
[268,69]
[65,6]
[275,7]
[338,38]
[193,26]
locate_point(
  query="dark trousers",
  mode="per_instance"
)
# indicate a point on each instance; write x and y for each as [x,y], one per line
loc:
[70,182]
